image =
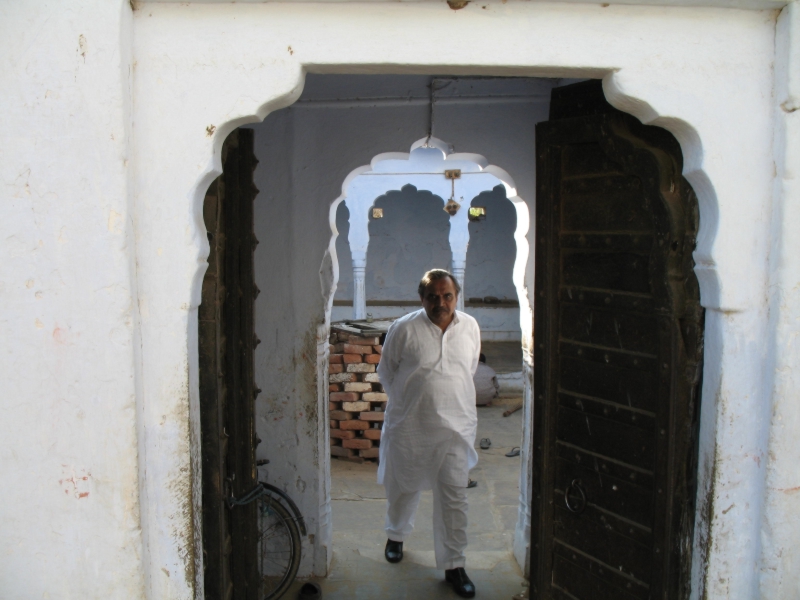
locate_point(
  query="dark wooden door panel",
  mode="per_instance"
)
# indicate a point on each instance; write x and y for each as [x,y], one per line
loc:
[611,329]
[580,564]
[594,582]
[624,386]
[627,556]
[608,410]
[633,242]
[619,271]
[618,340]
[610,357]
[624,443]
[240,294]
[622,471]
[603,204]
[588,160]
[227,389]
[614,495]
[633,303]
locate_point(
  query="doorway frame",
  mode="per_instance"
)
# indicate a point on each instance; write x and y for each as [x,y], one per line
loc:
[172,174]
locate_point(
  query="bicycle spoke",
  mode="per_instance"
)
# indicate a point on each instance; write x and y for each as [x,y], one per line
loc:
[279,545]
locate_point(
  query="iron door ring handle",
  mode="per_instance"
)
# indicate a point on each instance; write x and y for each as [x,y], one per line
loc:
[576,484]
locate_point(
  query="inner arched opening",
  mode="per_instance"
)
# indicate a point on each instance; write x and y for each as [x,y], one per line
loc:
[305,152]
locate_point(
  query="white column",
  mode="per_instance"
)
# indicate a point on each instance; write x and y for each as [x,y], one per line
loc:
[459,264]
[359,293]
[359,200]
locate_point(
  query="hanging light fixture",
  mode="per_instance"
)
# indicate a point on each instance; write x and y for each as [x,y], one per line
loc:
[452,206]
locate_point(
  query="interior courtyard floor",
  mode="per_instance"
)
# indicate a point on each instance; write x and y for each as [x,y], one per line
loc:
[359,569]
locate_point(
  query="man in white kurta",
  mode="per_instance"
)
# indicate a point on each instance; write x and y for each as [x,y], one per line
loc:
[427,364]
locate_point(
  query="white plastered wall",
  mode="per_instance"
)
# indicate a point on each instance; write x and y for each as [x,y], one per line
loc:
[694,71]
[69,517]
[780,577]
[102,253]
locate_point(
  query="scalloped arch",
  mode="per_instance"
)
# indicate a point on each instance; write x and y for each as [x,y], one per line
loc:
[424,167]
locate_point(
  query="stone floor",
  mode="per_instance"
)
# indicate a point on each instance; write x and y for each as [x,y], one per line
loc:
[359,570]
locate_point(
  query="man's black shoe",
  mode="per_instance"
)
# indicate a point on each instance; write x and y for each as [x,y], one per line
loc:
[394,551]
[460,582]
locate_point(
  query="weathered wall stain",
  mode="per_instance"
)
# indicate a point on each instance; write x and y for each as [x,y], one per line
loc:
[180,485]
[76,482]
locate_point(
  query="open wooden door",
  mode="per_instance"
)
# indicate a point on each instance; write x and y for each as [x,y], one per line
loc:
[617,360]
[227,386]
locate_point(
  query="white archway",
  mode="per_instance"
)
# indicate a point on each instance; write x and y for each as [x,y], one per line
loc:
[426,167]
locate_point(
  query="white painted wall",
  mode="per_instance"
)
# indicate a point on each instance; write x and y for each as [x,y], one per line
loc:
[69,519]
[288,312]
[410,239]
[780,577]
[658,63]
[108,227]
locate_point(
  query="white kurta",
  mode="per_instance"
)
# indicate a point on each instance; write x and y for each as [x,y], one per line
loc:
[431,419]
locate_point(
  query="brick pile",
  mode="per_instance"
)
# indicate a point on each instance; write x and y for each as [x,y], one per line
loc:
[357,400]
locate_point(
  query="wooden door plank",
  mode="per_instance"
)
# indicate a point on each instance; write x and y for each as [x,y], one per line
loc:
[614,330]
[580,583]
[628,557]
[624,499]
[610,575]
[609,410]
[612,300]
[625,386]
[622,271]
[624,443]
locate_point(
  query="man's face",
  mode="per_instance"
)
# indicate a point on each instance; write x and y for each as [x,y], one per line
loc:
[439,301]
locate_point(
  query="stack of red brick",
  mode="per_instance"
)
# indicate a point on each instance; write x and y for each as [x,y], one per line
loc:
[357,400]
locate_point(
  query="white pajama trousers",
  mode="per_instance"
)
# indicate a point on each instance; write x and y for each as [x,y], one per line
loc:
[449,520]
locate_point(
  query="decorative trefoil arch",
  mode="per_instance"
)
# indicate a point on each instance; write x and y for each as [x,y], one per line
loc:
[424,167]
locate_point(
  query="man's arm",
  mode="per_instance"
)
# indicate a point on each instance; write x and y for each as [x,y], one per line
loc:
[387,368]
[477,343]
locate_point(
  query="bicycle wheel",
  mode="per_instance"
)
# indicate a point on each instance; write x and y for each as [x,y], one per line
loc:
[279,547]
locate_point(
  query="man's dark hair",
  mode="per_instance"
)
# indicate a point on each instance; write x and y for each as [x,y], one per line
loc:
[432,276]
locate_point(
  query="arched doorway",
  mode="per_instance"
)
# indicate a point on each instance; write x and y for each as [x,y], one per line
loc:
[287,404]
